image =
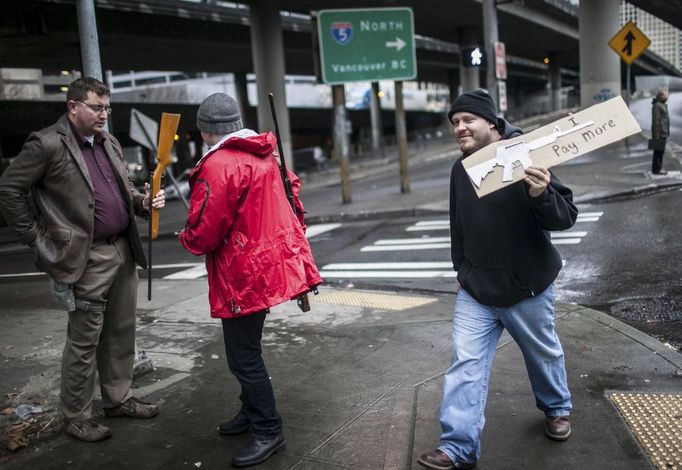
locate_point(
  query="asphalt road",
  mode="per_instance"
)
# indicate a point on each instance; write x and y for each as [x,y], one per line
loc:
[621,258]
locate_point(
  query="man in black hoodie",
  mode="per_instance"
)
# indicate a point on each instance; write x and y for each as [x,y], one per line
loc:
[506,264]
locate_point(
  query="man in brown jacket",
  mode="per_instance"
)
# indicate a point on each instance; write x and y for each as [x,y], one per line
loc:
[84,235]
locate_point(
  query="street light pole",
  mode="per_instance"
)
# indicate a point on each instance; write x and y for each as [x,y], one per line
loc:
[490,36]
[89,42]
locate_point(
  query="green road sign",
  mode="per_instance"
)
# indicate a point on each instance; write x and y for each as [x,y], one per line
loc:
[366,45]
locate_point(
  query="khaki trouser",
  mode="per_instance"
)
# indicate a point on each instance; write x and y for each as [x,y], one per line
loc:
[102,334]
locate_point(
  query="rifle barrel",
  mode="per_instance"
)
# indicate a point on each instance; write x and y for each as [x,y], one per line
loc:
[302,300]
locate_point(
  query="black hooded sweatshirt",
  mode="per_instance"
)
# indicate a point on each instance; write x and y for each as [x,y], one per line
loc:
[501,247]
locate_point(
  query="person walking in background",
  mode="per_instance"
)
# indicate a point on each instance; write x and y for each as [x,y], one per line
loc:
[86,240]
[257,256]
[506,266]
[660,129]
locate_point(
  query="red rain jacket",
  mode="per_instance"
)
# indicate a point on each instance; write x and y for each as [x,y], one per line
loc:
[257,255]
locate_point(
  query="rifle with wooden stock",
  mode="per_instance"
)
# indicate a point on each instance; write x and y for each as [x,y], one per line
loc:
[167,130]
[302,300]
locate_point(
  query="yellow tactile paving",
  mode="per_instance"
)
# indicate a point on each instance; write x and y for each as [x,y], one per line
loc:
[656,421]
[368,299]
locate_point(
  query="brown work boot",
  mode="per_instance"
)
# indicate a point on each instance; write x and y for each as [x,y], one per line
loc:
[558,428]
[439,460]
[133,408]
[88,430]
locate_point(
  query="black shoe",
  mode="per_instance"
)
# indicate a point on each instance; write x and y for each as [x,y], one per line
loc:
[237,425]
[260,450]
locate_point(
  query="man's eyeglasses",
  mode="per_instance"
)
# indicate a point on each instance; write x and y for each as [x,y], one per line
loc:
[96,108]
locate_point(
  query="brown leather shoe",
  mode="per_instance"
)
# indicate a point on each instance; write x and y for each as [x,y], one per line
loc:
[88,431]
[133,408]
[439,460]
[558,428]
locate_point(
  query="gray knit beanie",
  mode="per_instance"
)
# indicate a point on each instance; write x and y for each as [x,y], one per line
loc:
[476,102]
[219,114]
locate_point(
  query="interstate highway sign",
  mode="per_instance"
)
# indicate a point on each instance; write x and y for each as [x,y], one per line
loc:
[366,45]
[629,42]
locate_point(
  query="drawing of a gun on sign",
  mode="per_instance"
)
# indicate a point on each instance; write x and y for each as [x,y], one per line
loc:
[550,145]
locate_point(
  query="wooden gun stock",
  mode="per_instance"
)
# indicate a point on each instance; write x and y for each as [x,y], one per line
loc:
[167,130]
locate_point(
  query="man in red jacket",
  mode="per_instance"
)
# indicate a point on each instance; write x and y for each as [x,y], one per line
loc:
[257,256]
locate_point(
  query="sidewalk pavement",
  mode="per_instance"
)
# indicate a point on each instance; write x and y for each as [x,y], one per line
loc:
[359,378]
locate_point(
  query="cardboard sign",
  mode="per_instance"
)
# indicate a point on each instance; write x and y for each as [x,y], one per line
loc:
[502,163]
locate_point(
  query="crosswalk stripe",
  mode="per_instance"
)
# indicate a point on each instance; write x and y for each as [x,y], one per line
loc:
[388,265]
[423,246]
[22,274]
[366,270]
[175,265]
[317,229]
[404,244]
[413,241]
[566,241]
[432,222]
[192,273]
[568,234]
[422,228]
[444,224]
[387,274]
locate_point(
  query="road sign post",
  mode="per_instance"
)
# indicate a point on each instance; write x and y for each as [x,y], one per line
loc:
[500,61]
[366,45]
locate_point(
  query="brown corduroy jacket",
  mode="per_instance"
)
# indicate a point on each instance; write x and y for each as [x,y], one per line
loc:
[51,171]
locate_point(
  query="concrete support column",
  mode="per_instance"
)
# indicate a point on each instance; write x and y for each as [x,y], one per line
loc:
[555,82]
[375,116]
[599,65]
[249,118]
[490,37]
[268,63]
[469,77]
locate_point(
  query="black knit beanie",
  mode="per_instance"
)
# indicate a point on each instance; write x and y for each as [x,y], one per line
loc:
[476,102]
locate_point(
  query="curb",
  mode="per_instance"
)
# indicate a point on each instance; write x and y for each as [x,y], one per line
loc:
[672,356]
[634,193]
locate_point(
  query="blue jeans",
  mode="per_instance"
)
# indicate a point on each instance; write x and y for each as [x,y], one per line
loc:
[475,332]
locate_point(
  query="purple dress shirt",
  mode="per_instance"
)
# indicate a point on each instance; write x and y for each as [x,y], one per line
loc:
[111,214]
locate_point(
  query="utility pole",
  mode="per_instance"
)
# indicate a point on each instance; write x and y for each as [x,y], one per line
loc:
[89,42]
[490,37]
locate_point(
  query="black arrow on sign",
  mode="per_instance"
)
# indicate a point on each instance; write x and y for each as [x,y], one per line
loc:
[628,44]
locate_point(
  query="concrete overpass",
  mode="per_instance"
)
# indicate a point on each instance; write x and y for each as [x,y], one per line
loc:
[182,35]
[207,36]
